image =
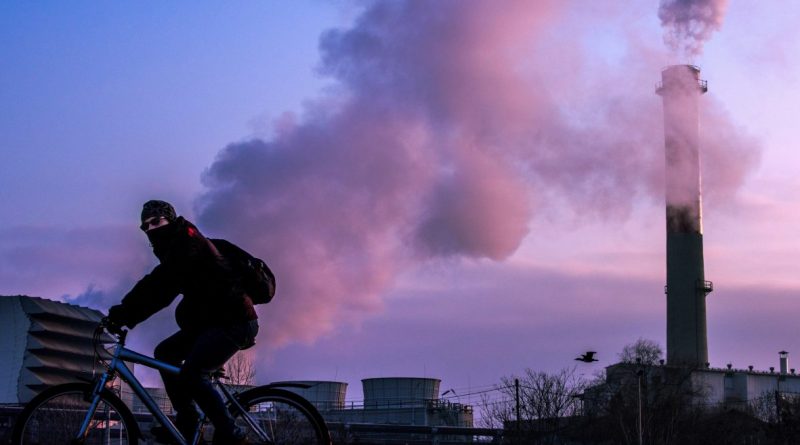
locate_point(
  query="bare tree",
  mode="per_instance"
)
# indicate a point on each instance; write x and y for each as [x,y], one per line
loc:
[780,414]
[642,401]
[642,351]
[764,407]
[240,369]
[545,400]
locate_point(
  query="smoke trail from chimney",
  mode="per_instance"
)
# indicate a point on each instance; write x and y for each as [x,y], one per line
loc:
[688,24]
[449,128]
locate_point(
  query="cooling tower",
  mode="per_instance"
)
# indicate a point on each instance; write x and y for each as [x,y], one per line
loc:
[687,345]
[324,395]
[399,392]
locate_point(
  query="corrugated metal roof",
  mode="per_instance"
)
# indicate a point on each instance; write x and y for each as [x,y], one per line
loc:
[51,344]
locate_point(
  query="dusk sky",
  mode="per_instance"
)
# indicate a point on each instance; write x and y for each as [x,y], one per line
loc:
[448,189]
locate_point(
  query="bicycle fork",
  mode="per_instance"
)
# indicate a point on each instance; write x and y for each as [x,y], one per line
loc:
[94,399]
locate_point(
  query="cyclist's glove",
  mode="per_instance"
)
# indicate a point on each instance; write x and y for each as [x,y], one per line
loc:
[111,325]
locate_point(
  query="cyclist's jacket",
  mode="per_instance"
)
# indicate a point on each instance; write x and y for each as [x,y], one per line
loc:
[192,266]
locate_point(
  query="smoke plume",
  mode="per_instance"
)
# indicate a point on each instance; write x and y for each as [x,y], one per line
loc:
[688,24]
[451,126]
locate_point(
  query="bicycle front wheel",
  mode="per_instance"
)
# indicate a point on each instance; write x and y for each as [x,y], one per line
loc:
[283,416]
[55,416]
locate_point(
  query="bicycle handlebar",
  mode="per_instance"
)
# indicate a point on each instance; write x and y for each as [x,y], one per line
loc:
[118,332]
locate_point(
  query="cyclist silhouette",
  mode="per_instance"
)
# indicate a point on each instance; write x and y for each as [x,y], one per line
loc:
[215,316]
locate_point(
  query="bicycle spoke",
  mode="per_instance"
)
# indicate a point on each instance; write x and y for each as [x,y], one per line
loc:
[284,419]
[58,419]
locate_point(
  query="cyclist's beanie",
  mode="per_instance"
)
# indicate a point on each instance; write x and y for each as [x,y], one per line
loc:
[158,208]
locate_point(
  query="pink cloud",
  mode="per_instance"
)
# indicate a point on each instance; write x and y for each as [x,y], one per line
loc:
[447,127]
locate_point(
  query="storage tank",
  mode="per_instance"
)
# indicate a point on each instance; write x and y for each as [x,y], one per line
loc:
[325,395]
[399,392]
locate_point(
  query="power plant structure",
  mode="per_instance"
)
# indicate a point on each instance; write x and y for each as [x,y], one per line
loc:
[687,363]
[686,289]
[45,343]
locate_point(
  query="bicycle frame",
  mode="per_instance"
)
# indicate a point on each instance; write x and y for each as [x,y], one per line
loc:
[117,366]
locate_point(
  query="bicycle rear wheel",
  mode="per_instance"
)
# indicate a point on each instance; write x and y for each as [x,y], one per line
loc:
[55,416]
[284,416]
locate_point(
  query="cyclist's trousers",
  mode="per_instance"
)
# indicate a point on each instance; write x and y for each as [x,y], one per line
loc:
[198,354]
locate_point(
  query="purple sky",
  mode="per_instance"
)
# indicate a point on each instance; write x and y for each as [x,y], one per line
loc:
[445,189]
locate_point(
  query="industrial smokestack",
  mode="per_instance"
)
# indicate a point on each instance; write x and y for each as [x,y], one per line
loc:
[784,361]
[687,344]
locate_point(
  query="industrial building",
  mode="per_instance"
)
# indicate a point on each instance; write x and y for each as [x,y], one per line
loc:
[47,343]
[394,410]
[714,388]
[44,343]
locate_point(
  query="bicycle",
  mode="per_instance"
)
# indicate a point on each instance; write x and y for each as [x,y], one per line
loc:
[91,413]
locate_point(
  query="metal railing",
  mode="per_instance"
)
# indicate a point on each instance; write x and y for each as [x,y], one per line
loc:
[701,84]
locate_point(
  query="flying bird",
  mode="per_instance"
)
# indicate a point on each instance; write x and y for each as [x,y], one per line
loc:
[588,357]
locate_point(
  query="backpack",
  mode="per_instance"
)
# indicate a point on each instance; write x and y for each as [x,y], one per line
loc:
[258,280]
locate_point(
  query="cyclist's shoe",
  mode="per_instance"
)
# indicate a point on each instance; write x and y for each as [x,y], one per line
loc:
[236,437]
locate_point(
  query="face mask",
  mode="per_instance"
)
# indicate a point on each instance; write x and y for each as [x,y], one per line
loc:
[160,238]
